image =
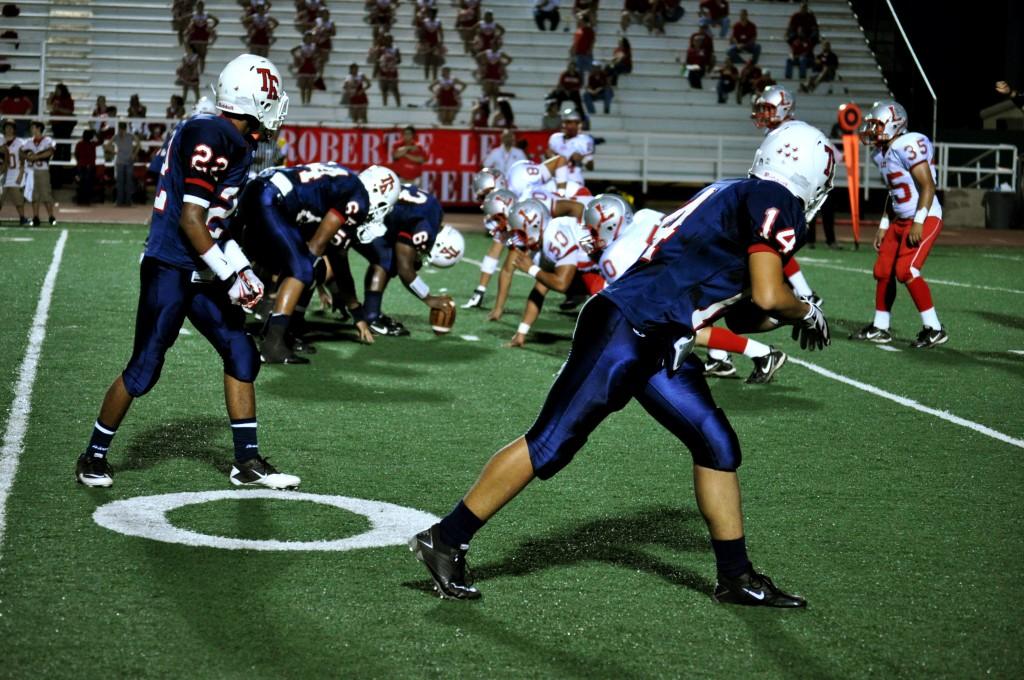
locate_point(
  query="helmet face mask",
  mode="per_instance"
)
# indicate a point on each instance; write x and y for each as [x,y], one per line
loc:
[606,217]
[772,107]
[383,186]
[448,248]
[251,86]
[886,121]
[527,221]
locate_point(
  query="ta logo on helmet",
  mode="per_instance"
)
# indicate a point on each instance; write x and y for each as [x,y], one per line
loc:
[387,183]
[270,83]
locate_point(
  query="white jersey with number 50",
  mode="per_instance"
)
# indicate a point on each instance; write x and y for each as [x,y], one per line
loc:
[630,245]
[905,152]
[560,245]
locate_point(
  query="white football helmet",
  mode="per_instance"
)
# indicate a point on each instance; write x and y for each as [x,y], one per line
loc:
[486,181]
[449,247]
[527,219]
[607,217]
[800,158]
[383,186]
[773,107]
[204,105]
[499,202]
[886,121]
[250,85]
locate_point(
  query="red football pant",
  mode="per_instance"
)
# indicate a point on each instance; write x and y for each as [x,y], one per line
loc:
[899,261]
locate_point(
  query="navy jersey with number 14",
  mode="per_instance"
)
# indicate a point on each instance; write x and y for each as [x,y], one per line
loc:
[696,262]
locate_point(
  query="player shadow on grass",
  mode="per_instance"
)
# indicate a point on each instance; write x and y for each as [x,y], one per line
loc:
[202,439]
[1007,320]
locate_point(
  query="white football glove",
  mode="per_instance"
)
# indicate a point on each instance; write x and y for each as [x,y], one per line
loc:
[370,230]
[247,289]
[812,330]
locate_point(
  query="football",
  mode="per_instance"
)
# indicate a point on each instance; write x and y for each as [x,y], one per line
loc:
[442,320]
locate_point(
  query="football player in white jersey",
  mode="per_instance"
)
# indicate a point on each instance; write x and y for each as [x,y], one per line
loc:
[620,237]
[574,146]
[485,182]
[910,225]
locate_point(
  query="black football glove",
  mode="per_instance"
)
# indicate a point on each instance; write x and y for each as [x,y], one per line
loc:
[812,330]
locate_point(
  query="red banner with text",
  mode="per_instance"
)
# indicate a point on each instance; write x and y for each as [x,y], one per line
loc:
[453,155]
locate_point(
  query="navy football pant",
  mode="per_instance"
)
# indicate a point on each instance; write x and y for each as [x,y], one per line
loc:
[378,252]
[167,297]
[271,239]
[609,364]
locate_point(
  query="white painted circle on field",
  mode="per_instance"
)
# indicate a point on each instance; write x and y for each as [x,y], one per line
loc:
[146,517]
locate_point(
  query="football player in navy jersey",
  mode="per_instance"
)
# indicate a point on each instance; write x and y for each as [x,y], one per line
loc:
[289,216]
[192,268]
[720,254]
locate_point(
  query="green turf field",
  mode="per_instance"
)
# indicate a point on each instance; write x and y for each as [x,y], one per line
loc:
[902,529]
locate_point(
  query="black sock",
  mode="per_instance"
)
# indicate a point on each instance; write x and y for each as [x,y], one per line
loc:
[459,526]
[277,324]
[731,556]
[243,433]
[371,305]
[99,442]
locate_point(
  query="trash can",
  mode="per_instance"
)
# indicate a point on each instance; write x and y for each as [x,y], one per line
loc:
[999,210]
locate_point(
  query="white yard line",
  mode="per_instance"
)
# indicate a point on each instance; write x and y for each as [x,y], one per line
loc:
[910,403]
[828,264]
[21,407]
[887,348]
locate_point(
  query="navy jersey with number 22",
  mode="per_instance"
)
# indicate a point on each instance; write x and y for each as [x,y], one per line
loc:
[696,263]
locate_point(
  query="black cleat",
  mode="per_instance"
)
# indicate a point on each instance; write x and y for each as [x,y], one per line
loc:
[720,368]
[766,366]
[755,590]
[447,565]
[930,337]
[259,472]
[475,300]
[93,471]
[385,325]
[879,336]
[299,345]
[279,353]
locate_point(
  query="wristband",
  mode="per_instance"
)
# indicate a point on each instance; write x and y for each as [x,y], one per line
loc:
[419,288]
[523,329]
[218,263]
[236,258]
[533,270]
[921,215]
[883,224]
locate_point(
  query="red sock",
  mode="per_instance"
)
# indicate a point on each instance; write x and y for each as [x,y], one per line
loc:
[791,267]
[920,293]
[727,341]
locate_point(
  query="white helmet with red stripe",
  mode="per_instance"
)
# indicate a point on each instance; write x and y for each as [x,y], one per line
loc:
[800,158]
[773,107]
[527,219]
[886,121]
[251,86]
[486,181]
[607,217]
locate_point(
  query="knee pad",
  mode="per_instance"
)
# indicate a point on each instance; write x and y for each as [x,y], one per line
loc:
[721,450]
[904,272]
[304,272]
[140,376]
[882,270]
[489,265]
[242,359]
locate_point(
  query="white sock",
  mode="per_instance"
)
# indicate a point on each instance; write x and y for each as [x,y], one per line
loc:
[881,320]
[931,319]
[799,284]
[718,355]
[756,349]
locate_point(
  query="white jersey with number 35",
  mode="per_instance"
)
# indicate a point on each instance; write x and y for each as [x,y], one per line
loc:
[905,152]
[630,245]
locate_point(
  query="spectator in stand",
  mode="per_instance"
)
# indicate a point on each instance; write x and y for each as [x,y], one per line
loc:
[586,8]
[622,61]
[85,167]
[504,118]
[253,7]
[175,109]
[744,39]
[260,29]
[181,17]
[188,73]
[598,87]
[698,60]
[569,87]
[480,116]
[750,76]
[804,18]
[305,65]
[408,157]
[201,33]
[38,150]
[492,72]
[634,11]
[466,22]
[430,51]
[800,54]
[13,169]
[447,93]
[353,94]
[16,104]
[582,49]
[378,45]
[136,109]
[728,77]
[546,12]
[502,157]
[323,31]
[488,35]
[672,10]
[714,13]
[60,103]
[552,119]
[388,60]
[420,11]
[825,67]
[381,13]
[126,145]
